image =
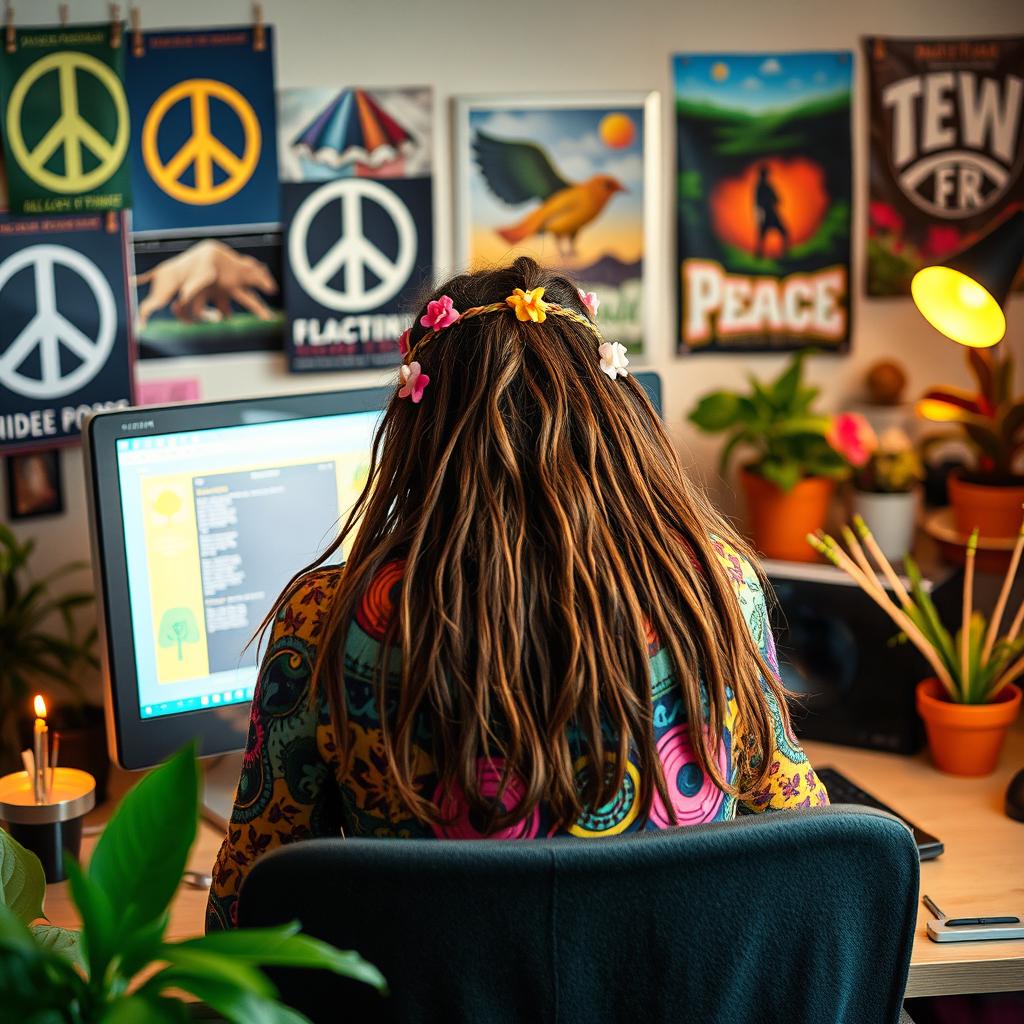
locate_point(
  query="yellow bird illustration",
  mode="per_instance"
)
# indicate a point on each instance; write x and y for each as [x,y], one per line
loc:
[517,171]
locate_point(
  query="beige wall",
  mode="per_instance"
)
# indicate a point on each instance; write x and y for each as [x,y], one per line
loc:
[476,46]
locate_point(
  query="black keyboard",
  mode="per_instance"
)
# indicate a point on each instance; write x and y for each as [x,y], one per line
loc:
[842,791]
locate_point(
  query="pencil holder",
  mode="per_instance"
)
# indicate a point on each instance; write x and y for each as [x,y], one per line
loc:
[51,828]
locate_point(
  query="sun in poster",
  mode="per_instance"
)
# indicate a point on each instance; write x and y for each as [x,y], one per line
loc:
[566,185]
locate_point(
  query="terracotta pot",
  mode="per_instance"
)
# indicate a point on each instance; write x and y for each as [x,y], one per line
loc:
[965,739]
[780,521]
[994,509]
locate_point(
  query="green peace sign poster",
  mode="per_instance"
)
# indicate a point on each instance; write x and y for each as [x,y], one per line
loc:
[65,121]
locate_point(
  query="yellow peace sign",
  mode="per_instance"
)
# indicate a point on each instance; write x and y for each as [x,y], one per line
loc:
[203,149]
[70,132]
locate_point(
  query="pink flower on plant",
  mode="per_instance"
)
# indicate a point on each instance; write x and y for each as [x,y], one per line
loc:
[440,313]
[591,301]
[414,382]
[403,341]
[941,240]
[851,435]
[883,216]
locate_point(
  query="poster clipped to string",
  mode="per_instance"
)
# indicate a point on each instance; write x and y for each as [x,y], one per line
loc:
[65,339]
[206,220]
[357,191]
[764,193]
[947,149]
[65,120]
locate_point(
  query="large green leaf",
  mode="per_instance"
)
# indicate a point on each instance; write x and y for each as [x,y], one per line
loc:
[716,411]
[219,967]
[15,934]
[282,947]
[22,882]
[786,387]
[784,474]
[140,1009]
[99,932]
[63,941]
[142,947]
[141,855]
[235,1004]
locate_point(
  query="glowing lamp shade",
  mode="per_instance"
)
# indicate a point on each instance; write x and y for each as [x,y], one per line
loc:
[958,306]
[964,297]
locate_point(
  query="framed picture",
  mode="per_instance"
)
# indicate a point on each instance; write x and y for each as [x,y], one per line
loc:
[34,485]
[573,182]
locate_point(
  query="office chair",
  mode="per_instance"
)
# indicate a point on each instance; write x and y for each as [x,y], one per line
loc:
[802,917]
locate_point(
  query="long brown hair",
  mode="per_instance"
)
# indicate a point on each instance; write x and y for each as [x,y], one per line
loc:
[548,531]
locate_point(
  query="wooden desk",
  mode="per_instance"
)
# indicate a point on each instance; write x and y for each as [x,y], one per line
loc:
[981,871]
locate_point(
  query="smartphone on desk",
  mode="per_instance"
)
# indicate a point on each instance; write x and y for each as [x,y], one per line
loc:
[966,928]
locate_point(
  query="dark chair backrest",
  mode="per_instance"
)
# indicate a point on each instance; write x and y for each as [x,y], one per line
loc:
[800,917]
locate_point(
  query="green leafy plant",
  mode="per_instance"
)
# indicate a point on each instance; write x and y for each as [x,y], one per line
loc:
[989,420]
[120,969]
[892,468]
[38,639]
[776,421]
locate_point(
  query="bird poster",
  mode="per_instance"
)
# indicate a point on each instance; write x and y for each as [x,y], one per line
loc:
[206,222]
[571,182]
[946,149]
[763,186]
[357,191]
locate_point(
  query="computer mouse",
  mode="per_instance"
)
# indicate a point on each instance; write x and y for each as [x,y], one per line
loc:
[1015,797]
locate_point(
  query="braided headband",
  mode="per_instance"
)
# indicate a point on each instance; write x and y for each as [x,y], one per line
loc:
[528,306]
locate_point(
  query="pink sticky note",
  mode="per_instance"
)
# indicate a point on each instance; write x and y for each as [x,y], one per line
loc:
[167,392]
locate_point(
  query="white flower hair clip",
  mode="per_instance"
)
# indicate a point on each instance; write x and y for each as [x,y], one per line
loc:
[613,359]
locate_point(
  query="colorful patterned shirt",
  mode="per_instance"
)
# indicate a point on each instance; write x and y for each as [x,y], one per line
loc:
[295,785]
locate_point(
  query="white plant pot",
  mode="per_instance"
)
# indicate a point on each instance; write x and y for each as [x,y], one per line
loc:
[891,518]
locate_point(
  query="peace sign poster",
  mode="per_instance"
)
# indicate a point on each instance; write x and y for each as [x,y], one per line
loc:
[764,166]
[204,138]
[65,344]
[65,121]
[358,210]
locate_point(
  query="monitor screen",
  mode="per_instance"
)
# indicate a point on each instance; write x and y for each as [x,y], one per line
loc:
[201,515]
[216,522]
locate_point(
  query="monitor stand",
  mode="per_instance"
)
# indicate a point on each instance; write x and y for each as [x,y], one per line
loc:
[220,779]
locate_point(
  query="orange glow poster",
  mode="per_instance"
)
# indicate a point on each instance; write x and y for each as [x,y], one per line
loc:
[763,185]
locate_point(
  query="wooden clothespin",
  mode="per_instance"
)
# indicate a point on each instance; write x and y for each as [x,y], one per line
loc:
[259,31]
[138,50]
[115,26]
[62,15]
[11,40]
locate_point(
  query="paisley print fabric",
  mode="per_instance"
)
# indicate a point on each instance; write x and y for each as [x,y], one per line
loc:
[294,783]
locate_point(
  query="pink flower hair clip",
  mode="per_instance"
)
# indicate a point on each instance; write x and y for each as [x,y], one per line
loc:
[414,382]
[591,301]
[440,313]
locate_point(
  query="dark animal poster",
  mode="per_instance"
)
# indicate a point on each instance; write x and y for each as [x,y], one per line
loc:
[764,168]
[947,159]
[65,342]
[358,210]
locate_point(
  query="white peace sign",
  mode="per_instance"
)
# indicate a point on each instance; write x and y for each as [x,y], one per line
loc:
[49,328]
[352,251]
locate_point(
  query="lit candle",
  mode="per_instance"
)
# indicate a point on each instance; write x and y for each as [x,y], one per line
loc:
[41,745]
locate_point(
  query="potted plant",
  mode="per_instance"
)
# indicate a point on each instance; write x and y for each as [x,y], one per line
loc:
[40,648]
[990,421]
[797,455]
[885,492]
[119,967]
[971,700]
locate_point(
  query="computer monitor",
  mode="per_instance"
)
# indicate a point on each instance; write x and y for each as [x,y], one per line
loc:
[200,515]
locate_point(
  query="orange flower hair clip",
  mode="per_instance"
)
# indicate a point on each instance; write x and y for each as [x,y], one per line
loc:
[528,305]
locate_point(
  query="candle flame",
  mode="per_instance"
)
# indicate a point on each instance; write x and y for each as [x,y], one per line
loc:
[40,706]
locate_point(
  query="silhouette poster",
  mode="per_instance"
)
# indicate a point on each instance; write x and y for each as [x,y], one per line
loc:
[65,341]
[947,149]
[570,181]
[357,190]
[764,191]
[65,122]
